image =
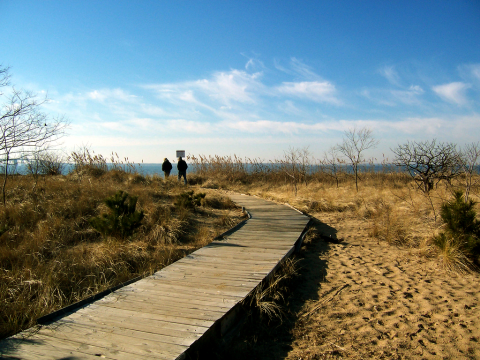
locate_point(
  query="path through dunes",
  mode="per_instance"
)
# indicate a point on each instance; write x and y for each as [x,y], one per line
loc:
[163,315]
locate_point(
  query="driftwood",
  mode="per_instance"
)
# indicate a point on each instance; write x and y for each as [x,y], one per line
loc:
[324,301]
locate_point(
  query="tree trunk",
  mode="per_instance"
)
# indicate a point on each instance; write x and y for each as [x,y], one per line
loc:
[5,179]
[356,177]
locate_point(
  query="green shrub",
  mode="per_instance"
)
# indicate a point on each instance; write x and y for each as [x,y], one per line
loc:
[189,200]
[460,216]
[122,220]
[462,227]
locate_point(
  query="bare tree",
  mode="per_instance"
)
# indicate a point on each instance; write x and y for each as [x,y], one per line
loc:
[290,165]
[305,163]
[355,142]
[23,127]
[332,162]
[428,162]
[469,160]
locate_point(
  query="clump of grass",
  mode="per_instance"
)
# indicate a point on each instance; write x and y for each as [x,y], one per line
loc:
[217,201]
[265,301]
[203,236]
[388,224]
[224,220]
[326,205]
[452,255]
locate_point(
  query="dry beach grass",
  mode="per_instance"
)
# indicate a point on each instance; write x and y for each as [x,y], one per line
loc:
[50,256]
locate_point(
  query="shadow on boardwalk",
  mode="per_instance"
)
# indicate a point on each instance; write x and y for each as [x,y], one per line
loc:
[263,339]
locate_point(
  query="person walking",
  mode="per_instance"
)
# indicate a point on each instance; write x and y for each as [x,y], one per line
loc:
[182,169]
[166,167]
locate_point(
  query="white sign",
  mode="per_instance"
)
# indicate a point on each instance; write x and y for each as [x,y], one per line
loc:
[180,153]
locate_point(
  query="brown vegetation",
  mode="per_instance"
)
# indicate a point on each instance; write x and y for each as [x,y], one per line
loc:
[50,255]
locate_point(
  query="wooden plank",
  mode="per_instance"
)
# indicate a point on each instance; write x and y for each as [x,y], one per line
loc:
[146,304]
[209,274]
[124,340]
[238,271]
[231,259]
[223,293]
[245,253]
[143,316]
[186,302]
[57,348]
[135,320]
[193,313]
[132,329]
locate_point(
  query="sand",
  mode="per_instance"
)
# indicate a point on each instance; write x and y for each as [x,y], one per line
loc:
[375,300]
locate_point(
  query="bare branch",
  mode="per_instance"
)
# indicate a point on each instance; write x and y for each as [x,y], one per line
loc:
[428,162]
[4,77]
[355,142]
[469,158]
[24,128]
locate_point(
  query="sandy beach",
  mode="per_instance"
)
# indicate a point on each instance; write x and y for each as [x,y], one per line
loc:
[380,301]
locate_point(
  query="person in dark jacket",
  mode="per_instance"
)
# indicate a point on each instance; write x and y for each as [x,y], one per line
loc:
[182,169]
[166,167]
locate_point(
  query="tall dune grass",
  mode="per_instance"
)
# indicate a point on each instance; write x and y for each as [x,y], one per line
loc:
[388,201]
[50,256]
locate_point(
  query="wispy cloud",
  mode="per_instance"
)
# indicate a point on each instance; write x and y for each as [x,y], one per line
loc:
[254,64]
[389,97]
[470,72]
[225,88]
[313,90]
[298,69]
[409,96]
[454,92]
[389,73]
[110,94]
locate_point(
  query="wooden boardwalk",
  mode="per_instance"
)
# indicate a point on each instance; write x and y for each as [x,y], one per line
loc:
[163,315]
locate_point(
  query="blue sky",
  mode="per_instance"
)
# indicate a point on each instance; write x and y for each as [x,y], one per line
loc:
[252,78]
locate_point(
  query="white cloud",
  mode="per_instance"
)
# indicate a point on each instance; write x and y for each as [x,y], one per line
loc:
[265,126]
[197,127]
[470,72]
[389,73]
[289,107]
[314,90]
[298,69]
[235,86]
[453,92]
[115,126]
[475,70]
[111,94]
[253,64]
[409,96]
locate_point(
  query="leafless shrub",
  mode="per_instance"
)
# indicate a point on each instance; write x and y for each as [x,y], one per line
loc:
[428,162]
[469,161]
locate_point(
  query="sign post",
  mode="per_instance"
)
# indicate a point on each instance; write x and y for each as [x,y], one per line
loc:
[180,153]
